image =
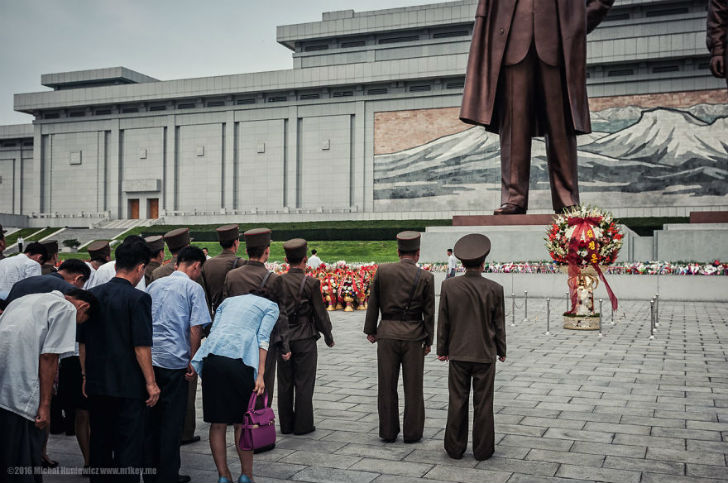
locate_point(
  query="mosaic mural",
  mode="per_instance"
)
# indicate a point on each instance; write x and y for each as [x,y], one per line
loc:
[637,155]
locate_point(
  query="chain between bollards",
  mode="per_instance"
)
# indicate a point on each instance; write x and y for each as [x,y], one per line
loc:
[548,316]
[513,309]
[652,319]
[657,310]
[600,317]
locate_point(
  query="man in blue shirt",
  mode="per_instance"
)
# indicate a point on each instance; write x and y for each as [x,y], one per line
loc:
[179,310]
[116,360]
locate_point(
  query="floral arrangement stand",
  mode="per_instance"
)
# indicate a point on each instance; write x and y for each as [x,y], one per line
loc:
[583,240]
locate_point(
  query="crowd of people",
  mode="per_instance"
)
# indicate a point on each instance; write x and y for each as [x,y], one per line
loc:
[125,340]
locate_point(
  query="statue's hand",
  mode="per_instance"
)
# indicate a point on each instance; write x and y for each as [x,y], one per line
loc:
[717,66]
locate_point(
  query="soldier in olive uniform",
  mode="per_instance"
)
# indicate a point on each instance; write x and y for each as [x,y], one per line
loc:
[307,320]
[176,240]
[471,334]
[405,294]
[50,264]
[99,253]
[156,245]
[216,269]
[253,275]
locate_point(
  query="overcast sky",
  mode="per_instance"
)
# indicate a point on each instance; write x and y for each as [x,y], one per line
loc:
[166,39]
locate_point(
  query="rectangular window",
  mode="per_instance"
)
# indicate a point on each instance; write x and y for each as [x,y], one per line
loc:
[375,91]
[157,108]
[305,97]
[215,103]
[617,16]
[249,100]
[344,94]
[129,110]
[186,105]
[76,114]
[420,88]
[661,12]
[455,84]
[314,48]
[102,112]
[396,40]
[353,43]
[450,34]
[277,99]
[51,115]
[620,72]
[665,68]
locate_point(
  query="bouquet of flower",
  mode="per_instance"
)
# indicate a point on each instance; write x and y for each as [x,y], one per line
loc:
[585,236]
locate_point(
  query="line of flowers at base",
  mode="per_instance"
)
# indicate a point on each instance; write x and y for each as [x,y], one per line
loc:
[619,268]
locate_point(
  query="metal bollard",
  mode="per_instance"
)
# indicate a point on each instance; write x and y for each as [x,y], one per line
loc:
[600,317]
[652,319]
[525,306]
[513,310]
[548,315]
[612,315]
[657,310]
[567,302]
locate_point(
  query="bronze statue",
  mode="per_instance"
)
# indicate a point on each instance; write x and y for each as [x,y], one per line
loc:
[716,40]
[527,77]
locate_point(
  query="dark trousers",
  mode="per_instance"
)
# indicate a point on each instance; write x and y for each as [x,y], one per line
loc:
[296,381]
[190,419]
[269,378]
[21,444]
[456,431]
[410,355]
[534,92]
[164,426]
[117,435]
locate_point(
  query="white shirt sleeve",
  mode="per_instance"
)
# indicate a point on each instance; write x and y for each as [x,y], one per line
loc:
[61,336]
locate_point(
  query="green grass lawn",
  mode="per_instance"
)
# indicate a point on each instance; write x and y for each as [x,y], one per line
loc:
[328,251]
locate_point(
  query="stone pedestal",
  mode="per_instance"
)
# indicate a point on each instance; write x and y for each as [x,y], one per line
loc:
[502,220]
[582,322]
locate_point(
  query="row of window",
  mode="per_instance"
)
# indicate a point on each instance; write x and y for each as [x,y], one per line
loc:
[372,91]
[392,39]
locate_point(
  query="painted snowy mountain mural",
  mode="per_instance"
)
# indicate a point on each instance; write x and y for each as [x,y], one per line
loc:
[659,156]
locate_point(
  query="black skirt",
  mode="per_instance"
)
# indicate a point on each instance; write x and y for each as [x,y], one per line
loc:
[226,388]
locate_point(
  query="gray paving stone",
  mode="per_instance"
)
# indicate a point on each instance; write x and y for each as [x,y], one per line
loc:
[330,460]
[465,475]
[388,452]
[402,468]
[403,479]
[649,441]
[518,478]
[566,457]
[660,478]
[439,457]
[648,422]
[707,471]
[699,434]
[552,422]
[599,474]
[332,475]
[579,435]
[618,428]
[542,443]
[685,456]
[535,468]
[640,464]
[609,449]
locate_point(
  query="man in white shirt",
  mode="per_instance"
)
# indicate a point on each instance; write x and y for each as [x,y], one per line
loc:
[34,330]
[314,262]
[21,266]
[452,264]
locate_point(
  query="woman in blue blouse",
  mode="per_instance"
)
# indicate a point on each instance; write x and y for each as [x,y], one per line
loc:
[231,363]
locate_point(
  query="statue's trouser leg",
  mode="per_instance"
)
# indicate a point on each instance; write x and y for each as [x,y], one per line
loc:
[560,136]
[516,113]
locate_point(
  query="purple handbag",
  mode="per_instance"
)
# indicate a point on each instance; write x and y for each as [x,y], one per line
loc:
[259,428]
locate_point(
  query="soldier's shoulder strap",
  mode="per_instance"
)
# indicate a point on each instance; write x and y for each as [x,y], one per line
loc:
[264,281]
[411,293]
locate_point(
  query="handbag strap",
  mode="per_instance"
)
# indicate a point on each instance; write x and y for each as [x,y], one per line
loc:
[411,294]
[254,399]
[297,307]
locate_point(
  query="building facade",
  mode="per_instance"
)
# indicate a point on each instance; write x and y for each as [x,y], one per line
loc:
[365,125]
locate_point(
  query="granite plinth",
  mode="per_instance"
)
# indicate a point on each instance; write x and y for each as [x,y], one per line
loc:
[707,217]
[502,220]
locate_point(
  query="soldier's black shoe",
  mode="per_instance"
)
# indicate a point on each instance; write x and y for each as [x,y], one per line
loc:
[389,440]
[183,478]
[194,439]
[301,433]
[411,441]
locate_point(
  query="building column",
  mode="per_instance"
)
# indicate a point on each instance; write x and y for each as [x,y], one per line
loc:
[228,166]
[113,172]
[169,183]
[291,168]
[36,204]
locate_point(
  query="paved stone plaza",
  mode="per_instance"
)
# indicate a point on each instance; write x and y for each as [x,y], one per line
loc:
[570,406]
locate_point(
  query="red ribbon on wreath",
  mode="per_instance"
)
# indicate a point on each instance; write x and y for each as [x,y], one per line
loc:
[584,226]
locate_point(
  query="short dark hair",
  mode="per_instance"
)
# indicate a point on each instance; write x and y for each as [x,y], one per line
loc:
[255,252]
[36,248]
[473,263]
[131,253]
[76,266]
[227,243]
[294,261]
[407,253]
[314,252]
[191,255]
[450,250]
[85,296]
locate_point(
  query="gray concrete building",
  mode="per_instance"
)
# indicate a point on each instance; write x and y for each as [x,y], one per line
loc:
[365,126]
